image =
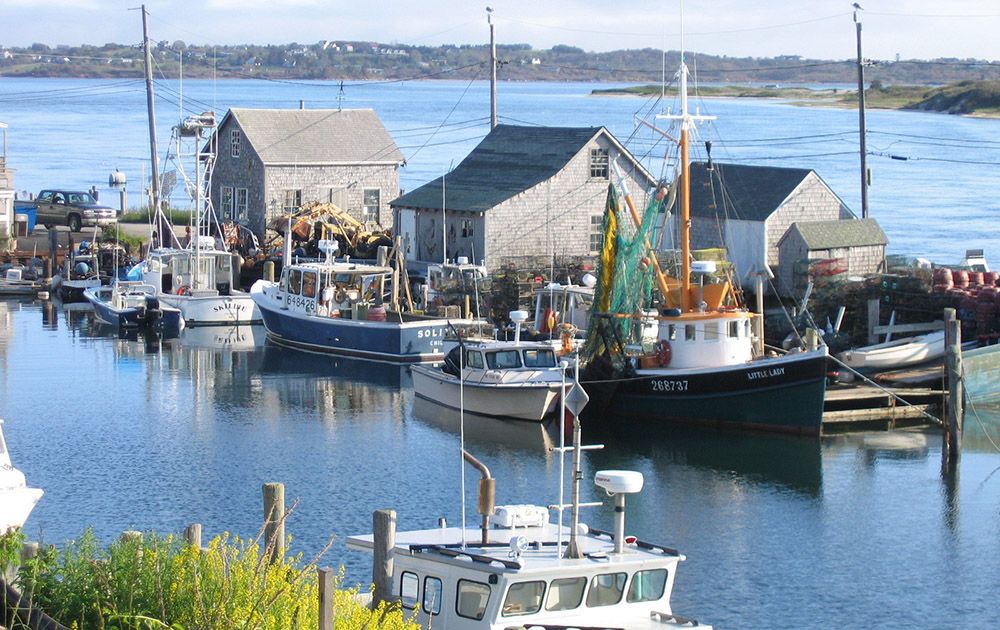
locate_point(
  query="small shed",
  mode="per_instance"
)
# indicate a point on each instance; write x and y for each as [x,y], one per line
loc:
[823,249]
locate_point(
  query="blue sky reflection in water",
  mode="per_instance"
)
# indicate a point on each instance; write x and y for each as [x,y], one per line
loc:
[779,531]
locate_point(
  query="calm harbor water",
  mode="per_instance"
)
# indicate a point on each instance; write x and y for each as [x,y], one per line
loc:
[851,531]
[937,202]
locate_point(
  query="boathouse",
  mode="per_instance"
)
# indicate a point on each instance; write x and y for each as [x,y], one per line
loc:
[271,161]
[522,196]
[748,209]
[821,250]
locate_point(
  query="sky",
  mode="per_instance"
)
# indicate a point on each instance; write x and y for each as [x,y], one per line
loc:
[820,29]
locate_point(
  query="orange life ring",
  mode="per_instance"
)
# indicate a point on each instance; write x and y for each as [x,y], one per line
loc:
[663,352]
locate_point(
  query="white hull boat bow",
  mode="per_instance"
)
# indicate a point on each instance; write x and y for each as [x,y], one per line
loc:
[16,498]
[895,354]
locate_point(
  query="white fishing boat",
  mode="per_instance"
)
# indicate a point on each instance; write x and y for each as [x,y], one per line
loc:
[519,570]
[128,305]
[16,498]
[898,353]
[504,379]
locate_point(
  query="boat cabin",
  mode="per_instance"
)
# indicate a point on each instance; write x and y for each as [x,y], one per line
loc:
[199,270]
[334,289]
[696,340]
[559,304]
[501,356]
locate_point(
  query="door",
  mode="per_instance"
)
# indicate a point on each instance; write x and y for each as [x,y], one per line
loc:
[407,229]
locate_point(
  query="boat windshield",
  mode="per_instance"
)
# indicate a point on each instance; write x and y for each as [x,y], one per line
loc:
[504,359]
[539,358]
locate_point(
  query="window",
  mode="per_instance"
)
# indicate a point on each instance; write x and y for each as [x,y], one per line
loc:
[474,359]
[565,593]
[671,332]
[293,199]
[432,595]
[467,230]
[734,329]
[647,586]
[45,196]
[523,598]
[241,204]
[408,587]
[235,138]
[689,332]
[599,164]
[472,599]
[539,358]
[503,359]
[596,233]
[370,204]
[226,202]
[309,285]
[294,281]
[606,589]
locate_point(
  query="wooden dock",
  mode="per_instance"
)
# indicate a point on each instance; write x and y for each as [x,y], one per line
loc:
[859,407]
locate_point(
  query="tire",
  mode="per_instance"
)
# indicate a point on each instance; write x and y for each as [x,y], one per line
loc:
[74,223]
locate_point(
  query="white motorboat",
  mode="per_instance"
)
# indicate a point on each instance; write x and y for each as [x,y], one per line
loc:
[894,354]
[519,570]
[16,498]
[507,379]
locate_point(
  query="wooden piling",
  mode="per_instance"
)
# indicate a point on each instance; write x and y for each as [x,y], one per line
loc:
[956,390]
[274,520]
[269,271]
[873,315]
[326,601]
[812,339]
[384,528]
[192,534]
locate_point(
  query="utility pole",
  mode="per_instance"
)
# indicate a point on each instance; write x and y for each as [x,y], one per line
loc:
[493,68]
[861,119]
[155,170]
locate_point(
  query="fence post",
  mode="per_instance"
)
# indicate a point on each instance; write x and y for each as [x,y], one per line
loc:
[274,520]
[192,534]
[384,528]
[326,601]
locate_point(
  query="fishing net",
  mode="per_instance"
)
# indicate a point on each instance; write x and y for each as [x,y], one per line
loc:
[625,277]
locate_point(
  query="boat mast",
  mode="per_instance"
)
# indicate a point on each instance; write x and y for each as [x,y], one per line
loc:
[861,119]
[151,114]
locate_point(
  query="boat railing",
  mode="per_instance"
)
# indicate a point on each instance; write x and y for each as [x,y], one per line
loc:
[638,543]
[458,552]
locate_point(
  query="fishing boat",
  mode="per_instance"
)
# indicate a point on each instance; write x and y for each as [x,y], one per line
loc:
[128,305]
[505,379]
[520,570]
[17,500]
[82,272]
[18,282]
[708,365]
[338,307]
[898,353]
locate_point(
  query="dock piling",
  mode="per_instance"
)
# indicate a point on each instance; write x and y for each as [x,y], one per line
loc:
[326,601]
[192,534]
[384,528]
[269,271]
[952,447]
[274,520]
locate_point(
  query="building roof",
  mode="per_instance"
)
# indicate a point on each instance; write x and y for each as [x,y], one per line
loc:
[510,160]
[844,233]
[317,136]
[735,191]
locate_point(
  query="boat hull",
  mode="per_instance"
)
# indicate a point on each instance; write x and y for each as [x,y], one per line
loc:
[532,401]
[72,290]
[215,310]
[168,321]
[895,354]
[16,505]
[778,395]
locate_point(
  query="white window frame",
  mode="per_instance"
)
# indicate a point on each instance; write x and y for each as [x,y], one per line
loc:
[235,140]
[240,204]
[600,164]
[292,201]
[226,198]
[371,212]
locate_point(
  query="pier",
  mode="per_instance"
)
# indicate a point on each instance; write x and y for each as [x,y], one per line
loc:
[858,407]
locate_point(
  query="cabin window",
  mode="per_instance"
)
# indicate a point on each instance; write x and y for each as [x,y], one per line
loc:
[599,164]
[503,360]
[647,586]
[293,199]
[523,598]
[226,202]
[606,589]
[409,584]
[472,599]
[295,281]
[309,285]
[689,332]
[474,359]
[539,358]
[734,329]
[596,234]
[565,593]
[235,139]
[371,201]
[671,332]
[241,204]
[432,595]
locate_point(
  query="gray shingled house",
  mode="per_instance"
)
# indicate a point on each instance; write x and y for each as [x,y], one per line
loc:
[271,161]
[523,192]
[747,209]
[851,247]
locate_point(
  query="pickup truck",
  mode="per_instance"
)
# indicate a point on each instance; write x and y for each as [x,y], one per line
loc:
[69,207]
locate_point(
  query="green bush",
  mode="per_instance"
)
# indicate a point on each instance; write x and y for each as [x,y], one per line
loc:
[155,582]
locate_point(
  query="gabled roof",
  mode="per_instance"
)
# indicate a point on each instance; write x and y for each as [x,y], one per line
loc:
[510,160]
[833,234]
[316,136]
[749,193]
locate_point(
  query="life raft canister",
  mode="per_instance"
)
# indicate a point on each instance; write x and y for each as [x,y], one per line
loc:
[663,352]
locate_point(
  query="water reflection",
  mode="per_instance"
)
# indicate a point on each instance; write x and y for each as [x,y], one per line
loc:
[485,431]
